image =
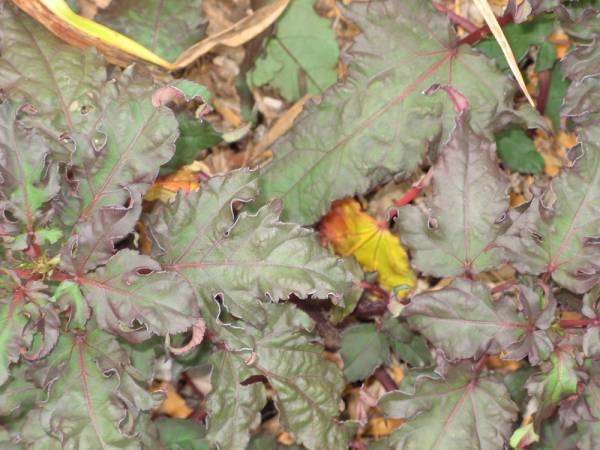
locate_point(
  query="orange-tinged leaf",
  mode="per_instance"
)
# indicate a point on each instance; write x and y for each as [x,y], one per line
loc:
[353,232]
[185,179]
[173,405]
[380,426]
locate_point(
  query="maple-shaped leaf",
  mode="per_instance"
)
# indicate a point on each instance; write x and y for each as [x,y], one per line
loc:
[466,211]
[463,320]
[584,410]
[243,259]
[89,405]
[60,82]
[24,312]
[464,410]
[558,232]
[109,176]
[165,28]
[307,388]
[381,120]
[548,388]
[132,288]
[303,51]
[353,232]
[26,183]
[591,309]
[536,343]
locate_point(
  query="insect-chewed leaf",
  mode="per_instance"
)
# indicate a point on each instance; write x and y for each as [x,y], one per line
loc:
[381,120]
[464,321]
[584,410]
[353,232]
[303,46]
[166,28]
[59,81]
[469,198]
[25,184]
[252,258]
[91,401]
[591,309]
[133,288]
[113,169]
[463,411]
[558,232]
[21,309]
[307,387]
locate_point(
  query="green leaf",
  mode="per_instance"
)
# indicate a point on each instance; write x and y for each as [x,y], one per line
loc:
[520,36]
[463,411]
[465,213]
[464,321]
[246,259]
[548,388]
[517,152]
[20,394]
[364,348]
[87,403]
[268,441]
[194,135]
[307,387]
[524,436]
[408,346]
[61,82]
[165,27]
[177,434]
[27,184]
[301,57]
[555,437]
[381,121]
[132,289]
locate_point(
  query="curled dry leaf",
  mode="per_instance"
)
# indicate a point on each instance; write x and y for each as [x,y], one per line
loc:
[57,16]
[198,330]
[236,35]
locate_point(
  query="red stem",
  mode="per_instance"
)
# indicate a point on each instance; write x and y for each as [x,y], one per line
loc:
[385,379]
[469,26]
[375,289]
[481,32]
[579,323]
[543,90]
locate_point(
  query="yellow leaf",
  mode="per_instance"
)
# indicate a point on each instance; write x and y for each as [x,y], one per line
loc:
[173,405]
[353,232]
